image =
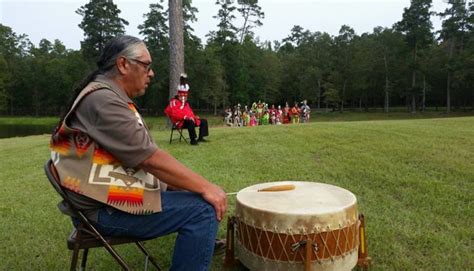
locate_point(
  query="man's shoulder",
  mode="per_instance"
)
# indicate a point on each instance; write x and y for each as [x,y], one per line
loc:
[102,95]
[100,98]
[103,92]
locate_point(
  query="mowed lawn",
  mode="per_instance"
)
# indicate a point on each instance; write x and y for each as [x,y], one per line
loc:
[414,182]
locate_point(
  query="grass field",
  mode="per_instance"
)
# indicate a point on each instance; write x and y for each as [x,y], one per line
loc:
[413,178]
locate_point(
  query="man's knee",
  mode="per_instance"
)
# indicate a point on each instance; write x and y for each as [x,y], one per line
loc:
[200,205]
[208,210]
[188,124]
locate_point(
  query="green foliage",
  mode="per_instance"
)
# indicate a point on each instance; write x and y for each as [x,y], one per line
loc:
[363,71]
[207,72]
[456,22]
[155,29]
[455,27]
[332,96]
[100,23]
[189,16]
[252,14]
[416,24]
[412,179]
[11,44]
[268,69]
[4,78]
[226,29]
[297,35]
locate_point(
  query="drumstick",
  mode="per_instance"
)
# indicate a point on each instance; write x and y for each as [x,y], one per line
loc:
[277,188]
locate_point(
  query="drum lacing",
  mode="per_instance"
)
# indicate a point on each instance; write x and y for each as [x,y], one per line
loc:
[259,246]
[326,246]
[345,232]
[270,241]
[337,239]
[297,245]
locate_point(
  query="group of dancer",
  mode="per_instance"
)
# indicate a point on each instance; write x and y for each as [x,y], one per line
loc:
[260,114]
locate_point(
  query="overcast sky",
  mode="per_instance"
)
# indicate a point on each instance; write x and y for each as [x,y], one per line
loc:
[56,19]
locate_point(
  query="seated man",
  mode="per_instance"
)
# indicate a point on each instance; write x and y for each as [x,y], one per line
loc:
[114,172]
[181,114]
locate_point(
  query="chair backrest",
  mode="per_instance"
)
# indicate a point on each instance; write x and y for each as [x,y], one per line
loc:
[174,125]
[85,235]
[53,177]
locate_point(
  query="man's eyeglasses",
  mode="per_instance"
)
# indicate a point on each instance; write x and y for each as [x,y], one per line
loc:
[146,65]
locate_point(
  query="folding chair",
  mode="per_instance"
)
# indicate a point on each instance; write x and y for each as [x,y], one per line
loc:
[86,236]
[175,127]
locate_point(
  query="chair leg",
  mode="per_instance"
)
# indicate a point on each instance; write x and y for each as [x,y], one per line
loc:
[171,136]
[106,245]
[180,132]
[145,251]
[84,259]
[116,256]
[181,136]
[75,255]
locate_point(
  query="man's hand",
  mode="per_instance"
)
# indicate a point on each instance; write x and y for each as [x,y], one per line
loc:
[217,198]
[169,170]
[189,118]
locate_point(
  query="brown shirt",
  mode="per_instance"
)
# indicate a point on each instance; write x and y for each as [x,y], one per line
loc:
[106,117]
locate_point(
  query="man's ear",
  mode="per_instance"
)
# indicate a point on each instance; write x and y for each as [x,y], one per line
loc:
[122,65]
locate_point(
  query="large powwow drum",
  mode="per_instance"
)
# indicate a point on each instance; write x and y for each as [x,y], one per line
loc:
[273,229]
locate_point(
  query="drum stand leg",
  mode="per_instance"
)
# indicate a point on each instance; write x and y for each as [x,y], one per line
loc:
[308,254]
[229,259]
[309,248]
[364,260]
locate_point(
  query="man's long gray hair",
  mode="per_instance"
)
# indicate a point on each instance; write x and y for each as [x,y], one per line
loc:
[126,46]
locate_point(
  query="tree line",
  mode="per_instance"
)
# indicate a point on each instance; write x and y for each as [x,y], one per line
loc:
[407,65]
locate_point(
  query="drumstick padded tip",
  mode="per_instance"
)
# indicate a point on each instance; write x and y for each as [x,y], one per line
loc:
[277,188]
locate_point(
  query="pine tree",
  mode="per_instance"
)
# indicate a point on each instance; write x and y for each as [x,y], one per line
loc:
[251,13]
[416,26]
[176,25]
[156,36]
[100,23]
[226,29]
[344,60]
[454,36]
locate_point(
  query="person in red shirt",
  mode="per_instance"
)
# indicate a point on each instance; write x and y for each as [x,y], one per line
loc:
[295,113]
[181,114]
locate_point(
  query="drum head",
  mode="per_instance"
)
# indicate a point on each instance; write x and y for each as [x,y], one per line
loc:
[307,198]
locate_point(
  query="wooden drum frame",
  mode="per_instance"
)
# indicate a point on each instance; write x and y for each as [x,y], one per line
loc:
[314,226]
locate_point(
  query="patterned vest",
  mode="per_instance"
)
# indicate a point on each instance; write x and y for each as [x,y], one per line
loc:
[87,169]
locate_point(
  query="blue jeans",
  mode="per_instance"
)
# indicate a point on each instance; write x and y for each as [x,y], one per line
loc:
[186,213]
